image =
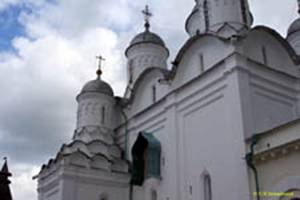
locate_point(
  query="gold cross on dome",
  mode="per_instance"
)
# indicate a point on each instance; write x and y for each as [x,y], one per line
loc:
[147,16]
[100,59]
[147,13]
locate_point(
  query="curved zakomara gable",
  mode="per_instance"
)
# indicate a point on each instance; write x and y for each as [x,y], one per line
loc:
[283,42]
[197,56]
[249,43]
[150,76]
[279,54]
[154,73]
[187,49]
[214,48]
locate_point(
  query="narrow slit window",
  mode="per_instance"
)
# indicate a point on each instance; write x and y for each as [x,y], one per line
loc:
[191,189]
[206,15]
[207,187]
[264,54]
[130,70]
[201,63]
[154,93]
[103,197]
[103,115]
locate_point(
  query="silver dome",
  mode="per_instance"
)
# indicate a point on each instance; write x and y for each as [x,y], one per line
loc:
[194,11]
[294,27]
[147,37]
[97,86]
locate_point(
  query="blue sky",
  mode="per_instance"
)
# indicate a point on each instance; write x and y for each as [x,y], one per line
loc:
[10,27]
[47,53]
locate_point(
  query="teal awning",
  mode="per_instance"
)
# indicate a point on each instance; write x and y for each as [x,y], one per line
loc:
[146,153]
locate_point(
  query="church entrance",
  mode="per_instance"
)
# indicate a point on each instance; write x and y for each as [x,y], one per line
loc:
[146,153]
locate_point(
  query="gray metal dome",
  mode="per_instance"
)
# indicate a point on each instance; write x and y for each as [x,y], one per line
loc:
[97,86]
[147,37]
[294,27]
[194,11]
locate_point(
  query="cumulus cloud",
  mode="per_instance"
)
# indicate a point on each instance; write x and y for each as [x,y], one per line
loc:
[5,3]
[56,56]
[44,72]
[40,80]
[23,182]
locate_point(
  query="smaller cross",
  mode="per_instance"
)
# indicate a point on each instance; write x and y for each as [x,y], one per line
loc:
[100,59]
[147,15]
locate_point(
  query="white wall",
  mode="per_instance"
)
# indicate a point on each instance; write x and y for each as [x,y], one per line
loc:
[199,130]
[206,116]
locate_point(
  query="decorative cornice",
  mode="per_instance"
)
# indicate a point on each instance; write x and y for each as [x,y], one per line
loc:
[95,132]
[277,152]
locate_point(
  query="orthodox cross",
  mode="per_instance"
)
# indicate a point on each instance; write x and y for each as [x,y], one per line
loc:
[147,16]
[99,71]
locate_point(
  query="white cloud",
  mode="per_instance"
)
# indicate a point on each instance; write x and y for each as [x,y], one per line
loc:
[5,3]
[41,82]
[22,182]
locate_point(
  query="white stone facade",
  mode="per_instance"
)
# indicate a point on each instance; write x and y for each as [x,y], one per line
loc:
[95,109]
[142,56]
[222,90]
[92,165]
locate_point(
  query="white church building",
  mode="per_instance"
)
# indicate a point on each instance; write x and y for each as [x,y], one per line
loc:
[221,123]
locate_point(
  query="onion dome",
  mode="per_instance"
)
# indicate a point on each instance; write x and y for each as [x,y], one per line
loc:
[97,86]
